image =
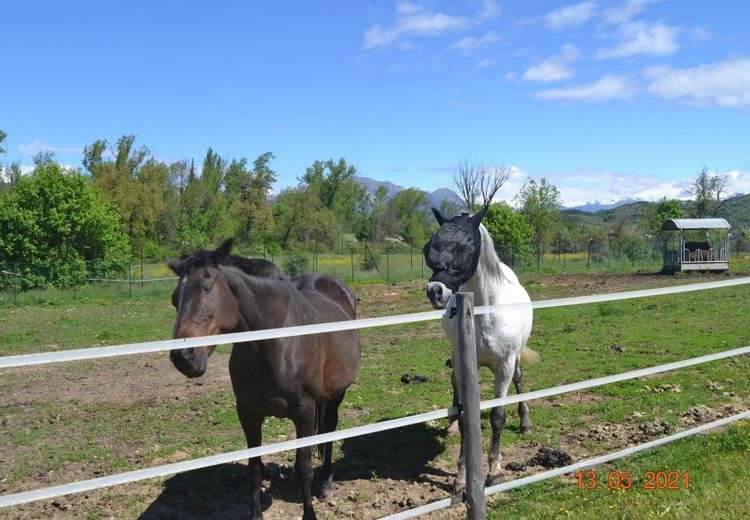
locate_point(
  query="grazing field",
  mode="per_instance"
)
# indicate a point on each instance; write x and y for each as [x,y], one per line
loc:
[60,423]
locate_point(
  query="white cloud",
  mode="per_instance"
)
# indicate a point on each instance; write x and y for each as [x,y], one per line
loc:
[639,38]
[606,88]
[555,68]
[570,16]
[725,83]
[548,71]
[38,146]
[470,43]
[416,20]
[739,181]
[588,184]
[626,11]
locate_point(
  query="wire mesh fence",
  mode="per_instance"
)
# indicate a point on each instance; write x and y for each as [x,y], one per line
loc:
[28,283]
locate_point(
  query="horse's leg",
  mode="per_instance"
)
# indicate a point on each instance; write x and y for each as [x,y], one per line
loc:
[304,420]
[459,483]
[251,425]
[330,421]
[523,408]
[503,375]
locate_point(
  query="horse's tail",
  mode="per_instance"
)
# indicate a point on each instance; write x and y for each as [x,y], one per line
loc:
[528,356]
[320,413]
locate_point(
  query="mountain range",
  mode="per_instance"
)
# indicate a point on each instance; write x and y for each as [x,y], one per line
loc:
[435,197]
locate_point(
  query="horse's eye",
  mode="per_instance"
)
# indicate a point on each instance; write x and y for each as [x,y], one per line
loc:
[205,290]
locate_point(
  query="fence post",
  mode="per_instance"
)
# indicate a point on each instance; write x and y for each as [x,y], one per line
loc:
[130,278]
[468,381]
[351,254]
[15,282]
[387,265]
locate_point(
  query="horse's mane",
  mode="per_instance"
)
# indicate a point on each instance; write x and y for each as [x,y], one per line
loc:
[489,263]
[252,266]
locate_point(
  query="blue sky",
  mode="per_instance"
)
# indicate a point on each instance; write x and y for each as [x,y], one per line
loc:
[606,99]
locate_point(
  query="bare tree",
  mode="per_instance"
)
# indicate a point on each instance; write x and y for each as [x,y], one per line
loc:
[473,179]
[720,182]
[707,191]
[465,179]
[701,190]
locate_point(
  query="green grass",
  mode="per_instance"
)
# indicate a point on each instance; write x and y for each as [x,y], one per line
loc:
[52,433]
[718,468]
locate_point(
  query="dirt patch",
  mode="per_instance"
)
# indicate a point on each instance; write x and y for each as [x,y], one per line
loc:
[121,380]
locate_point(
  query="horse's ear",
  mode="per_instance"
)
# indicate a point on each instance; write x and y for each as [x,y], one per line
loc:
[175,265]
[477,218]
[222,251]
[438,216]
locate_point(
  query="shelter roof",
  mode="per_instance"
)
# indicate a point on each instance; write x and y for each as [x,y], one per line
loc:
[679,224]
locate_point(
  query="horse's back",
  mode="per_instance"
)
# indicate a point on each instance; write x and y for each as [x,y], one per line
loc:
[317,287]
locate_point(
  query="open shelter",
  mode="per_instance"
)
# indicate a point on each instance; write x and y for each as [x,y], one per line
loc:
[696,244]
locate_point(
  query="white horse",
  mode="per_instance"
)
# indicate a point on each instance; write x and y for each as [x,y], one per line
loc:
[462,257]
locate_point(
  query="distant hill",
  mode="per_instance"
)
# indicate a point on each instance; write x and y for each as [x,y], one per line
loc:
[435,197]
[736,210]
[371,186]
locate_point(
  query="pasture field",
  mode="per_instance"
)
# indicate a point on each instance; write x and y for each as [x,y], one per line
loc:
[73,421]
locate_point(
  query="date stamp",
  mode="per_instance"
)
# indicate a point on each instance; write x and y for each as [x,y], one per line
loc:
[672,480]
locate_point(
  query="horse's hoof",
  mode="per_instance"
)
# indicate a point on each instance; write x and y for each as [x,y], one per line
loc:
[309,514]
[452,429]
[459,487]
[526,428]
[493,480]
[326,491]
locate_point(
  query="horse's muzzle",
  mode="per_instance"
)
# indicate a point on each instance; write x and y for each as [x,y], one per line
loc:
[191,362]
[438,294]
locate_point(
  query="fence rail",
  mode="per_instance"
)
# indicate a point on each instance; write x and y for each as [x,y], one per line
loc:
[133,476]
[336,326]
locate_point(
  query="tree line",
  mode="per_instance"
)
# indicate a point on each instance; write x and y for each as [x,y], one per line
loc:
[124,202]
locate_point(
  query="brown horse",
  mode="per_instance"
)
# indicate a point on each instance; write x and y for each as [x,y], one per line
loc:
[302,378]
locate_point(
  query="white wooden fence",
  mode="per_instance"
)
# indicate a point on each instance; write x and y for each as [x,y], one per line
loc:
[168,469]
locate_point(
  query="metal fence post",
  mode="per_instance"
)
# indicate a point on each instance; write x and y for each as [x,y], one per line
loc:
[351,254]
[468,382]
[141,272]
[15,282]
[130,278]
[387,266]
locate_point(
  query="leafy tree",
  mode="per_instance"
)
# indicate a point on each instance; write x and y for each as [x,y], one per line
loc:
[302,218]
[540,203]
[379,215]
[135,182]
[700,190]
[338,191]
[56,219]
[511,233]
[659,212]
[247,191]
[3,135]
[410,211]
[707,191]
[10,175]
[448,208]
